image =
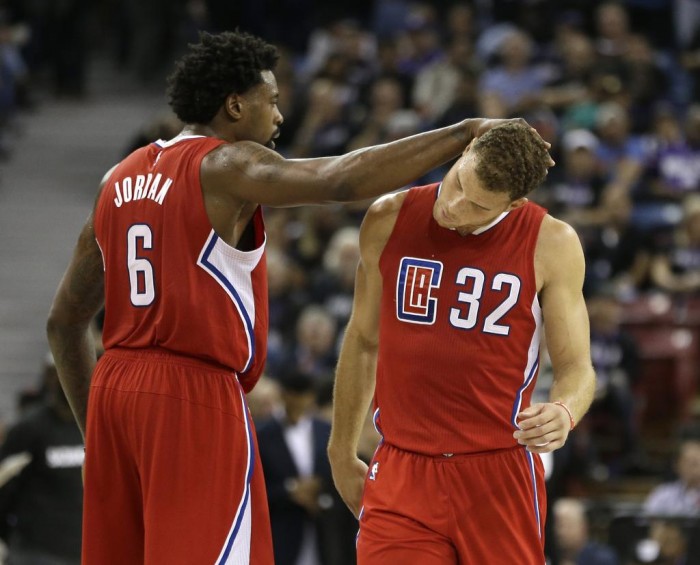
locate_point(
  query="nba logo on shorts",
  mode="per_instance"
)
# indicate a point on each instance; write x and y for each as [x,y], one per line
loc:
[414,284]
[373,471]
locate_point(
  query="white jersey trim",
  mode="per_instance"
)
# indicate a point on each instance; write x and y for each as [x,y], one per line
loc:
[177,139]
[236,549]
[533,360]
[232,269]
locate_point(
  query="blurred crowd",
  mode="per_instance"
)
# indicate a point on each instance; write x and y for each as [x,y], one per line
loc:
[613,86]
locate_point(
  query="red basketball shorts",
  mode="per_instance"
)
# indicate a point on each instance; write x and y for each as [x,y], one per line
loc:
[484,508]
[172,473]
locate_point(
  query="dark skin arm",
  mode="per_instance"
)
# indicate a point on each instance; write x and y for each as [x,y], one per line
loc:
[78,299]
[237,177]
[249,172]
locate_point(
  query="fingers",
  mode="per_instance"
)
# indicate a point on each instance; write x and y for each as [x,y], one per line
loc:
[542,439]
[542,428]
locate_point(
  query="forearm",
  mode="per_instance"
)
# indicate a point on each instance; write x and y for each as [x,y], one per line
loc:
[354,388]
[373,171]
[73,350]
[574,386]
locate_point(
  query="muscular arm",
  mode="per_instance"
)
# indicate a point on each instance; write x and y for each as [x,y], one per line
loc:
[560,266]
[355,374]
[78,299]
[250,172]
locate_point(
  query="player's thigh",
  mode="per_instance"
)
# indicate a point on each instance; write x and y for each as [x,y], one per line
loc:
[200,486]
[112,512]
[391,538]
[498,501]
[404,514]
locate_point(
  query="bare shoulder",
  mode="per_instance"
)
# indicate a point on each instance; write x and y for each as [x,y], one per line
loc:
[558,250]
[554,233]
[242,155]
[380,220]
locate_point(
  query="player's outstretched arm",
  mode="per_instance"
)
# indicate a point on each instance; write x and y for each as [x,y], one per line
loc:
[79,297]
[560,260]
[355,374]
[251,172]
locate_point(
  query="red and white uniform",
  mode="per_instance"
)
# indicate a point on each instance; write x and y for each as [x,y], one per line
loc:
[172,475]
[170,281]
[458,359]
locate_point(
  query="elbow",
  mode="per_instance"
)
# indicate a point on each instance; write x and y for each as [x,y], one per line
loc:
[52,325]
[58,325]
[55,327]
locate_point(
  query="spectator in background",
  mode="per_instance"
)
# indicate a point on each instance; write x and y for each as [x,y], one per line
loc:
[465,102]
[325,129]
[621,154]
[334,287]
[572,536]
[287,297]
[674,168]
[343,37]
[680,497]
[670,544]
[575,189]
[436,84]
[309,521]
[42,505]
[644,80]
[385,100]
[388,65]
[265,399]
[675,268]
[421,39]
[612,30]
[460,21]
[615,357]
[617,252]
[514,85]
[570,85]
[314,350]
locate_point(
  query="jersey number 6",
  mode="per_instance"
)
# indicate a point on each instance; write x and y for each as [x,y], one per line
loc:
[141,278]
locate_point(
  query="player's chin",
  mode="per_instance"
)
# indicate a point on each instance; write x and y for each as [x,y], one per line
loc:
[270,144]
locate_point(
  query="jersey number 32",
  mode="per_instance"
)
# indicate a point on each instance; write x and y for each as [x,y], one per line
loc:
[415,303]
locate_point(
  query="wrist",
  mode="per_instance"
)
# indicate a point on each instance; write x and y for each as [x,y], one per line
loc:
[472,126]
[572,422]
[340,454]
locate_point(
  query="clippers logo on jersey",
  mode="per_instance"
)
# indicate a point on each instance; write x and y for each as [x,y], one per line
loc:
[373,471]
[417,278]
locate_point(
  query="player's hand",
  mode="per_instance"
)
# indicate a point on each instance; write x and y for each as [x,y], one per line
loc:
[543,427]
[349,478]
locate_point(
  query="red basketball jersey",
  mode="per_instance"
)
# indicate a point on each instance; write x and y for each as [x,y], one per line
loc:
[459,330]
[170,281]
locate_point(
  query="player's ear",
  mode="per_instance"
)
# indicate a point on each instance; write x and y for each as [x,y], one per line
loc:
[234,106]
[517,203]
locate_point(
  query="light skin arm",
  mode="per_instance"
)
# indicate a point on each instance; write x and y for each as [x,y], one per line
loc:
[78,299]
[251,172]
[559,264]
[355,374]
